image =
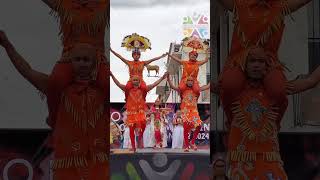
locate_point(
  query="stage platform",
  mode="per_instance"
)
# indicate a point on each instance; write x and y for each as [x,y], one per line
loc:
[160,164]
[164,150]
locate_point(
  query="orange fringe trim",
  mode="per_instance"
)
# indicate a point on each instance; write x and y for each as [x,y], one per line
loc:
[240,120]
[274,27]
[66,17]
[246,156]
[82,119]
[78,161]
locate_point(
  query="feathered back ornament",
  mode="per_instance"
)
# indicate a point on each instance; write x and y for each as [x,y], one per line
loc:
[195,44]
[88,16]
[136,42]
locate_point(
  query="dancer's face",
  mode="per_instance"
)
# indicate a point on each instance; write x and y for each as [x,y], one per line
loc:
[136,56]
[193,56]
[136,82]
[83,62]
[189,82]
[256,65]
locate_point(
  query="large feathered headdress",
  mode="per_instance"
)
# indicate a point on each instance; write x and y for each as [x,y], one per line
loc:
[136,42]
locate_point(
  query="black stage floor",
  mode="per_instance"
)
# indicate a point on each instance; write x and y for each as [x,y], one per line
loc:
[161,164]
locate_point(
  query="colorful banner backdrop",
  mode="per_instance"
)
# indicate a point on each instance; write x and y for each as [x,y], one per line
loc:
[196,25]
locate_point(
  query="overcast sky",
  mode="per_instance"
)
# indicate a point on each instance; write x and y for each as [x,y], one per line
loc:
[35,35]
[160,21]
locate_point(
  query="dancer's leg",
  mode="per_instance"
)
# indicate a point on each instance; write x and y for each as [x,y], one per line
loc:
[275,85]
[232,81]
[196,86]
[132,136]
[141,131]
[186,131]
[195,134]
[158,137]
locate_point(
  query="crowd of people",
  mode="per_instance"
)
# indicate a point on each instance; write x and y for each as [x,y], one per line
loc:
[155,134]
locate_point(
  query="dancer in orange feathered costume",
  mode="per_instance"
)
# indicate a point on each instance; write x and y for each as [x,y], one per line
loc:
[191,66]
[259,24]
[253,122]
[78,118]
[136,43]
[189,100]
[136,105]
[258,30]
[81,22]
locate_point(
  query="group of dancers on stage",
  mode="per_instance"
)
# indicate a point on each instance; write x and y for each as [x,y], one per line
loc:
[136,90]
[252,89]
[155,134]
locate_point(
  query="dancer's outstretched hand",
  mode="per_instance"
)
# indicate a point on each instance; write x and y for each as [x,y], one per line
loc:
[299,85]
[3,38]
[165,54]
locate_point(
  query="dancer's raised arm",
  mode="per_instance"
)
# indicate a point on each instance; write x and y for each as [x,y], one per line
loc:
[205,60]
[38,79]
[294,5]
[119,56]
[300,85]
[151,86]
[121,86]
[175,59]
[205,87]
[154,59]
[171,84]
